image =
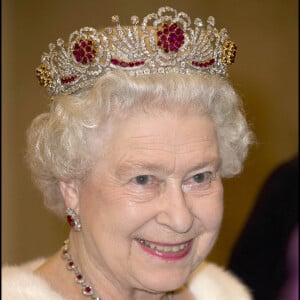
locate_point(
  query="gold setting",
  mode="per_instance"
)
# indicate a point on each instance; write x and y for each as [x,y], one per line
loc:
[43,75]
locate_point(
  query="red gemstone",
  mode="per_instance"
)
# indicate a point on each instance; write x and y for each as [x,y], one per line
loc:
[178,31]
[172,37]
[88,289]
[69,218]
[71,263]
[79,276]
[114,61]
[83,51]
[173,27]
[178,44]
[180,38]
[124,64]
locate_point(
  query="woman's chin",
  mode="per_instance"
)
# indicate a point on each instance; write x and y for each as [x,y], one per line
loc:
[164,282]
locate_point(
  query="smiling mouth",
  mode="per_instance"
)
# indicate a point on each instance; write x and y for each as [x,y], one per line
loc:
[165,248]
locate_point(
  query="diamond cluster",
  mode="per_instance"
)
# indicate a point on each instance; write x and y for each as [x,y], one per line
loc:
[163,42]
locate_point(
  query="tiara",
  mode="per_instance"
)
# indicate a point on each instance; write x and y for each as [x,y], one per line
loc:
[164,42]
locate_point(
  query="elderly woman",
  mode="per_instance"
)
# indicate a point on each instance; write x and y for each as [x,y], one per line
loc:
[142,127]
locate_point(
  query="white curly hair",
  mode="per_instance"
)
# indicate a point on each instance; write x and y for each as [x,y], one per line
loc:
[60,142]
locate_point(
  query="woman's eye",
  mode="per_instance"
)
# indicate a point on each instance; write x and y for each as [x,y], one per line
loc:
[142,179]
[202,177]
[200,181]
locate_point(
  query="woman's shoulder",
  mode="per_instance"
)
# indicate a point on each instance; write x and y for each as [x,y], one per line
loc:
[212,282]
[20,282]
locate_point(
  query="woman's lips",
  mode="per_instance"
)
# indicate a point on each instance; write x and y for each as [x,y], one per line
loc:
[166,251]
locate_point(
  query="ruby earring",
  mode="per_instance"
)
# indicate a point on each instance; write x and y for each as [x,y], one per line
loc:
[73,219]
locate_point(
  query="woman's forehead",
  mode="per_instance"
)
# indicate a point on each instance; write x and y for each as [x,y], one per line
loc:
[152,142]
[174,127]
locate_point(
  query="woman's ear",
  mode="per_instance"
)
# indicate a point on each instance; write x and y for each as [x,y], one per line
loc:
[70,193]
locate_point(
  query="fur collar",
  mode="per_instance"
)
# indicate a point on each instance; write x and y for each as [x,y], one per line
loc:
[208,282]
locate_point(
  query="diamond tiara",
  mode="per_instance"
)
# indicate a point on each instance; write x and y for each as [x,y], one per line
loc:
[164,42]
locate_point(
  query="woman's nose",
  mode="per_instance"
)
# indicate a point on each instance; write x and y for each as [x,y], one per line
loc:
[174,211]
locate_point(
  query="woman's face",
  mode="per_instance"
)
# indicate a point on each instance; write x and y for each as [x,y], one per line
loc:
[152,206]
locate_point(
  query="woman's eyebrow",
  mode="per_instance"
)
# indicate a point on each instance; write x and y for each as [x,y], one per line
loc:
[130,167]
[215,162]
[156,168]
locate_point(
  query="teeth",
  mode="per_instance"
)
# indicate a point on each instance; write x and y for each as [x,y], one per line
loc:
[163,248]
[151,246]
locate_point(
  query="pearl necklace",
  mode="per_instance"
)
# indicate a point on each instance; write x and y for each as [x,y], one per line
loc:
[86,289]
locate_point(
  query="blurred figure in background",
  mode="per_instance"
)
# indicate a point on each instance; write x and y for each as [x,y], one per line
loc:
[259,257]
[290,290]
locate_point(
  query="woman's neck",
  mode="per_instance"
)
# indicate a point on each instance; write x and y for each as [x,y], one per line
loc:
[105,285]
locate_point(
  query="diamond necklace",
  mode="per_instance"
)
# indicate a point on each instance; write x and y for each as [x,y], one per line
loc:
[86,289]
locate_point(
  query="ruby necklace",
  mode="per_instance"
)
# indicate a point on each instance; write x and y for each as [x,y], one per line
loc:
[86,289]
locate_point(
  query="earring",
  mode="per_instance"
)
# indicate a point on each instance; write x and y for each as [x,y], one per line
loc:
[73,219]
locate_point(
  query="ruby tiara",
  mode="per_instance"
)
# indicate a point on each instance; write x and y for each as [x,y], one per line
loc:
[163,43]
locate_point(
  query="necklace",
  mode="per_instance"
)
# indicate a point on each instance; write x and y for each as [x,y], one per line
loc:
[86,289]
